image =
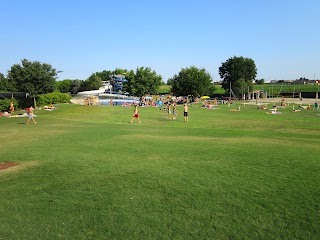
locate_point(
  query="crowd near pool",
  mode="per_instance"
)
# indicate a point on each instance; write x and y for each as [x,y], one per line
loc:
[116,102]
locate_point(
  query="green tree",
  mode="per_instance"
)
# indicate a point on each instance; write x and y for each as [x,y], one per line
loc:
[237,68]
[120,71]
[33,77]
[143,81]
[192,81]
[94,82]
[5,104]
[170,81]
[128,86]
[4,83]
[240,87]
[64,86]
[104,75]
[260,82]
[75,86]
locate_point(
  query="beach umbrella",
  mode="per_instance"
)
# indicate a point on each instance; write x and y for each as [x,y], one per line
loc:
[204,97]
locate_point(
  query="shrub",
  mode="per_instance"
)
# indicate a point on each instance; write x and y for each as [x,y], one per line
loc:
[52,98]
[26,102]
[5,104]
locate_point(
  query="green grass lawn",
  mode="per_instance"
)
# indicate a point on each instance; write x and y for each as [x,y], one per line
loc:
[277,89]
[87,173]
[164,89]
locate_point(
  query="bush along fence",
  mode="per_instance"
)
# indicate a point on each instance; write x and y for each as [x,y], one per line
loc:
[52,98]
[40,100]
[5,104]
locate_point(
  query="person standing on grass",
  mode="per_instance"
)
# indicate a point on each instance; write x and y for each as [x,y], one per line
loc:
[185,112]
[30,115]
[136,114]
[168,111]
[11,107]
[174,111]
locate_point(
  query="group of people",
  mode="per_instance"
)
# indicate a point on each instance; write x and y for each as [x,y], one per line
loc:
[174,111]
[11,110]
[172,108]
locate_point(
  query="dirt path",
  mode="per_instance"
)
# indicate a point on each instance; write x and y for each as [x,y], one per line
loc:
[4,166]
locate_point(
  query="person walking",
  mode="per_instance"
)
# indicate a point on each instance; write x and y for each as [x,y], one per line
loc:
[185,112]
[30,115]
[136,114]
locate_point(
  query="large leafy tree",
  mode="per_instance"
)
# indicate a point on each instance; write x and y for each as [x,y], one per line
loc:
[192,81]
[143,81]
[260,81]
[104,75]
[92,83]
[4,84]
[128,86]
[33,77]
[240,87]
[64,86]
[238,69]
[120,71]
[75,86]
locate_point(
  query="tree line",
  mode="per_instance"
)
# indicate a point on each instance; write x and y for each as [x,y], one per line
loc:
[37,78]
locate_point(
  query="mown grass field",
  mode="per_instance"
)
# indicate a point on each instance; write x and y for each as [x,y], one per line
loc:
[277,89]
[272,89]
[87,173]
[164,89]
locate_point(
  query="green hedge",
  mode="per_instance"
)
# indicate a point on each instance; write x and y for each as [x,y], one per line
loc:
[52,98]
[41,100]
[5,104]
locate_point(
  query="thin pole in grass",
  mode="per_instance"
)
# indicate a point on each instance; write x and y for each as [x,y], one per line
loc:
[230,95]
[256,95]
[294,89]
[317,95]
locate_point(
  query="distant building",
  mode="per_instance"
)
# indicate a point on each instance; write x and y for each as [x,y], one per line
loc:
[304,81]
[301,81]
[281,81]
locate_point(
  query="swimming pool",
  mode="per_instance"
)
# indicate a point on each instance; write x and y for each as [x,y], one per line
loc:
[117,102]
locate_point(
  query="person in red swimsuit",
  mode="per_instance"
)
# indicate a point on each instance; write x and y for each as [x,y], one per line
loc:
[30,115]
[136,114]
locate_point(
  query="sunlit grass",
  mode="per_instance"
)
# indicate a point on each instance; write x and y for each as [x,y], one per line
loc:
[86,172]
[164,89]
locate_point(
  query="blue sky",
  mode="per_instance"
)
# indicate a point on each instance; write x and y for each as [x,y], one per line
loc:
[82,37]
